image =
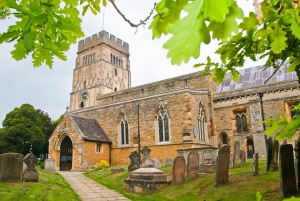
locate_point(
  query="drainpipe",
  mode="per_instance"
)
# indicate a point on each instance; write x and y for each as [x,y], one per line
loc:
[261,94]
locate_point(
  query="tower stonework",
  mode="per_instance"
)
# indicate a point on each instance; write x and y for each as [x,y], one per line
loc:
[102,66]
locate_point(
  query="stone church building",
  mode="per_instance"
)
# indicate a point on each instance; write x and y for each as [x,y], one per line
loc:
[108,119]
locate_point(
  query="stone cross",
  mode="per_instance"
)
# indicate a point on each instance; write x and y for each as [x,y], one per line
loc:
[146,152]
[255,164]
[31,160]
[222,170]
[134,161]
[287,171]
[146,160]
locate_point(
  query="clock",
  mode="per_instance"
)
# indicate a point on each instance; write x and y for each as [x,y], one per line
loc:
[84,95]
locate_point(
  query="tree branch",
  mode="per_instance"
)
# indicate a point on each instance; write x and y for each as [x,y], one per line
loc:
[274,72]
[142,22]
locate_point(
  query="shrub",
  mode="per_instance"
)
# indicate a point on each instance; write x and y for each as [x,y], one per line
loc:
[103,164]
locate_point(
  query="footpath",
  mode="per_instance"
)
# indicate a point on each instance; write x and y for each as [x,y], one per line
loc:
[89,190]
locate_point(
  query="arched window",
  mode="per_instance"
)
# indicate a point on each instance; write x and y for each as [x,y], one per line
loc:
[201,121]
[224,138]
[116,89]
[163,126]
[116,72]
[241,122]
[124,131]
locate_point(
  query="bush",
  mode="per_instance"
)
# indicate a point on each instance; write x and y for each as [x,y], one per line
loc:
[103,164]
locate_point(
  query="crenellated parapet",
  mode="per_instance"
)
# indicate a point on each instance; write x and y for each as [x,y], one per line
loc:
[103,37]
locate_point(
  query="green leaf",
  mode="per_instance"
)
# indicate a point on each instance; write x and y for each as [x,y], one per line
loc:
[216,10]
[29,39]
[278,44]
[71,2]
[250,22]
[258,196]
[168,13]
[224,30]
[294,62]
[19,52]
[188,34]
[295,28]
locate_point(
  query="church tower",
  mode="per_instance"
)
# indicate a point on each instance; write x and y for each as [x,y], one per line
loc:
[102,66]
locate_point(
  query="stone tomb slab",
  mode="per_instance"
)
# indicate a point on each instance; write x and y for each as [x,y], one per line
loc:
[146,180]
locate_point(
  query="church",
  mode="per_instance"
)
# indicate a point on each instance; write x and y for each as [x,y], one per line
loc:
[108,119]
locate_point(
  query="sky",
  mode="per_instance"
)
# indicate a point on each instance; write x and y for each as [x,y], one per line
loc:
[49,89]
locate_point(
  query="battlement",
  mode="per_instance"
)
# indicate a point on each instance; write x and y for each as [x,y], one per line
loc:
[103,37]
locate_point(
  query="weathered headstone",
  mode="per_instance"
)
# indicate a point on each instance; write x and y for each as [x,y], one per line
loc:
[297,165]
[269,152]
[117,170]
[193,164]
[11,167]
[222,172]
[287,171]
[178,170]
[255,164]
[243,156]
[146,160]
[236,154]
[29,173]
[49,165]
[156,163]
[168,161]
[274,160]
[134,161]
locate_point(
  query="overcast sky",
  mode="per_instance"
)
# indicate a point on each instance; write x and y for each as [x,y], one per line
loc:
[49,89]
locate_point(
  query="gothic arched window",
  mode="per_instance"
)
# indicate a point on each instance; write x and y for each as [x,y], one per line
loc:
[241,122]
[124,131]
[201,121]
[163,126]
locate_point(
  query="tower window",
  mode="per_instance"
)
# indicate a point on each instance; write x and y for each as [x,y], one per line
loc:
[116,72]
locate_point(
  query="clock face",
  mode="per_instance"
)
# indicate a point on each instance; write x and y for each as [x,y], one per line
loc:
[84,95]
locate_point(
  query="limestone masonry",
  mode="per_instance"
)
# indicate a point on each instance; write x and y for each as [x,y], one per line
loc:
[109,119]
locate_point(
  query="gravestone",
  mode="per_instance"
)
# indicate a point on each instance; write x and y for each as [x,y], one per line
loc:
[255,164]
[134,161]
[146,160]
[178,170]
[222,171]
[168,161]
[269,152]
[11,167]
[236,154]
[193,164]
[156,163]
[117,170]
[243,156]
[297,165]
[274,160]
[287,171]
[29,173]
[49,165]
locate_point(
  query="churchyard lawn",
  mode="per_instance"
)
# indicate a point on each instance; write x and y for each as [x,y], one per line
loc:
[242,185]
[49,187]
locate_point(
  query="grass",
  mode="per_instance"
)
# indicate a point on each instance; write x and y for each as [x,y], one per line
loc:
[242,185]
[50,187]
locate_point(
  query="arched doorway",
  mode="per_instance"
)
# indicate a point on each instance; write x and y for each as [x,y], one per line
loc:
[250,148]
[66,154]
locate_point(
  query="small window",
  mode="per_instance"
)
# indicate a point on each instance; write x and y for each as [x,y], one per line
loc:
[201,122]
[99,147]
[124,131]
[241,122]
[224,138]
[116,89]
[116,72]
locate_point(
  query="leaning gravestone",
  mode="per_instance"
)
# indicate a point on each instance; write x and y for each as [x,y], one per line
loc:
[236,154]
[134,161]
[178,170]
[156,163]
[255,164]
[29,173]
[274,160]
[297,165]
[287,171]
[193,164]
[11,167]
[146,160]
[168,161]
[222,171]
[49,165]
[269,152]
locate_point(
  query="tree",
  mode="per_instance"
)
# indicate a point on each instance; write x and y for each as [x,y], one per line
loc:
[25,127]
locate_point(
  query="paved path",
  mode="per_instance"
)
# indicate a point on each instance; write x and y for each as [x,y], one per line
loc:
[88,189]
